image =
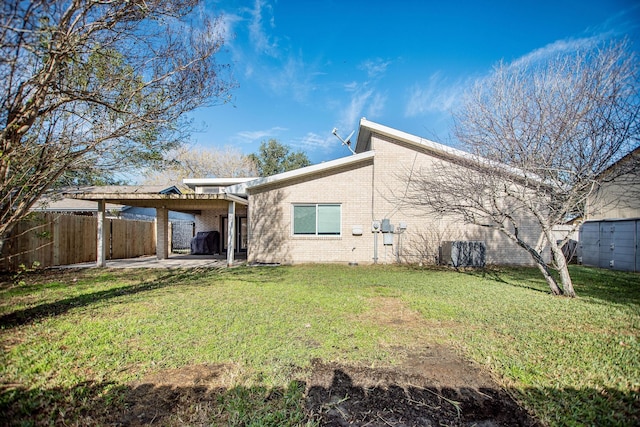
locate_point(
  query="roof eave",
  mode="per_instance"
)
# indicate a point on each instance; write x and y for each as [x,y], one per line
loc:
[304,172]
[128,198]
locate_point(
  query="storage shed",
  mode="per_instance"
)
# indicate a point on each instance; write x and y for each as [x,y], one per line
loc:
[610,244]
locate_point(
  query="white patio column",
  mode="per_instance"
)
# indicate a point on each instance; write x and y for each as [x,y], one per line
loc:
[231,233]
[162,233]
[102,237]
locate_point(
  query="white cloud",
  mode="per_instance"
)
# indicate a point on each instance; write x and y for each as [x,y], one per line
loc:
[354,110]
[437,95]
[294,78]
[260,39]
[374,67]
[351,86]
[226,26]
[312,142]
[376,105]
[255,135]
[365,98]
[558,47]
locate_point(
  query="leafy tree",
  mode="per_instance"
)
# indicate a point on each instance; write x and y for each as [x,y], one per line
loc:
[97,85]
[274,157]
[79,178]
[541,135]
[186,162]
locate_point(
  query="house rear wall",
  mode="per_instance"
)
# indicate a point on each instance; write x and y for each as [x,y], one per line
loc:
[271,236]
[372,190]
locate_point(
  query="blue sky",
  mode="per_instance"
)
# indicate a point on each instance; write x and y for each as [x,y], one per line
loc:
[304,67]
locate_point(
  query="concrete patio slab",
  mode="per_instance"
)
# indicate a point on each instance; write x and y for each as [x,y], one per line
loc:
[174,261]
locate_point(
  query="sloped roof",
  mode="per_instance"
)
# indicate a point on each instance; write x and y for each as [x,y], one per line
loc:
[368,127]
[468,159]
[125,189]
[308,171]
[153,197]
[65,204]
[215,182]
[58,202]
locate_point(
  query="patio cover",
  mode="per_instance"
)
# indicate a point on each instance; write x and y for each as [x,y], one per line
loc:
[163,202]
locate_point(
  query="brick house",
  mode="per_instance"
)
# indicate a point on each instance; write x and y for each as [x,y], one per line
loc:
[349,210]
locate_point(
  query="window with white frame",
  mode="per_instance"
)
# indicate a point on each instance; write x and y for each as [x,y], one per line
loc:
[316,219]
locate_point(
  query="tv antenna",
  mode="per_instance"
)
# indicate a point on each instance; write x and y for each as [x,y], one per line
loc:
[346,141]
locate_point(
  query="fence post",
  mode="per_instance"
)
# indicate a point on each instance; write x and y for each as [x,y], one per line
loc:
[57,237]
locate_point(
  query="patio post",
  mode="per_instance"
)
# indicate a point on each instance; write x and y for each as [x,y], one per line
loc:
[231,233]
[162,233]
[101,258]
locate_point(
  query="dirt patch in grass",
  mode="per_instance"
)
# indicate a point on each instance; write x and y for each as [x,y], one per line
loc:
[186,395]
[431,388]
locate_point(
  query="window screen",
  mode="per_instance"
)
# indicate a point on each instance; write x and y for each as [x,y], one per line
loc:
[304,219]
[320,219]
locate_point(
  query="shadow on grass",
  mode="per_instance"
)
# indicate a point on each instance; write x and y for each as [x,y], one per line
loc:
[106,403]
[520,277]
[607,285]
[341,403]
[31,314]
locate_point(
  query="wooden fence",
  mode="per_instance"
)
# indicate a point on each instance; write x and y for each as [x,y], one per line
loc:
[52,239]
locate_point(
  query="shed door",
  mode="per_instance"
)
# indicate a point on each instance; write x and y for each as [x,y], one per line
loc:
[624,246]
[590,243]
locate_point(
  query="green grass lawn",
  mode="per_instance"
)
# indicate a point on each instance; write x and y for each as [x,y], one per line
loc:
[75,339]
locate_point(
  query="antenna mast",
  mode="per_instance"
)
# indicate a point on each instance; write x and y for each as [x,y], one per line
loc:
[346,141]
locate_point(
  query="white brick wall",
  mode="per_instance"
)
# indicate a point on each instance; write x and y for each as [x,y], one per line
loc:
[210,220]
[393,162]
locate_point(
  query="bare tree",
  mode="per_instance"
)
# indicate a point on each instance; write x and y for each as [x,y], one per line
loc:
[97,86]
[423,246]
[540,135]
[186,162]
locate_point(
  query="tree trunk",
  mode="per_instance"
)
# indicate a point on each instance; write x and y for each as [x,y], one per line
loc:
[563,269]
[539,260]
[544,269]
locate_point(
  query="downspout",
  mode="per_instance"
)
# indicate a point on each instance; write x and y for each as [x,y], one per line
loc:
[375,232]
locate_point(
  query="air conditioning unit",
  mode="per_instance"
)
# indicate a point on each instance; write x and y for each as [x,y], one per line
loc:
[463,253]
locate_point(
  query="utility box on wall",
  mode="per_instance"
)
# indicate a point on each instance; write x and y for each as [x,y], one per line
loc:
[463,253]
